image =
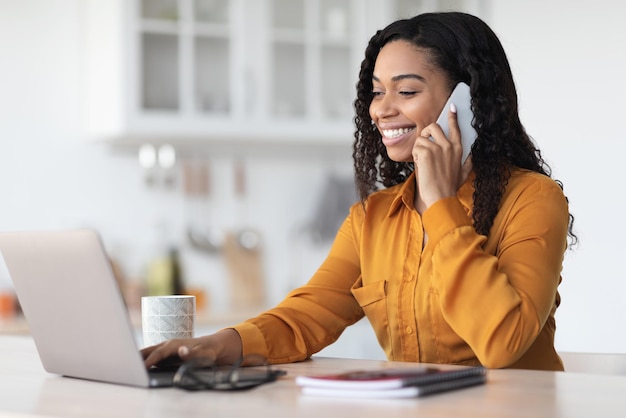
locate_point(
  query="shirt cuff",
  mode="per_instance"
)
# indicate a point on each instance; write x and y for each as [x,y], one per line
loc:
[252,339]
[444,216]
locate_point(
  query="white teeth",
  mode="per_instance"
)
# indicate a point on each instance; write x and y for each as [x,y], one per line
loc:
[393,133]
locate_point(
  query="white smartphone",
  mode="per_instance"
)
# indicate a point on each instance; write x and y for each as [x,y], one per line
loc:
[463,101]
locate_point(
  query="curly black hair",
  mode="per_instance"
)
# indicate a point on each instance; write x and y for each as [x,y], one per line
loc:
[466,50]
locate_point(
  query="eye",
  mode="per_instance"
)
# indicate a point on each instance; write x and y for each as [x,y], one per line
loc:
[408,93]
[377,93]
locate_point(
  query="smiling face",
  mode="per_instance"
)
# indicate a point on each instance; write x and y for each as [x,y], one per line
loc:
[409,94]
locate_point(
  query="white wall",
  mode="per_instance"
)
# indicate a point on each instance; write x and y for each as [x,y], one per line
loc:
[568,59]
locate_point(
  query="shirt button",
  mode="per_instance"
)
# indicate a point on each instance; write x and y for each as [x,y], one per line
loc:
[409,330]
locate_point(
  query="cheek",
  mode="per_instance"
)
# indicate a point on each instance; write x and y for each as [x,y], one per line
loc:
[423,115]
[372,111]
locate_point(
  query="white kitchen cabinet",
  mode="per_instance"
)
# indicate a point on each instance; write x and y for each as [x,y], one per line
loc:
[233,73]
[229,72]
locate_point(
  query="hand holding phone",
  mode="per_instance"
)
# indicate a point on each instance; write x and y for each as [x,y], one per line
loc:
[462,99]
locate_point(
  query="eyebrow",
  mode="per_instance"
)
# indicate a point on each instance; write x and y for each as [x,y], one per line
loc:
[402,77]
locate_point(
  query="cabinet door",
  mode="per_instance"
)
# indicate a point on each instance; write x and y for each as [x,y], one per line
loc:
[314,62]
[184,56]
[229,70]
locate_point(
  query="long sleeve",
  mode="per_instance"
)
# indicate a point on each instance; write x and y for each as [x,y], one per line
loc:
[499,294]
[312,316]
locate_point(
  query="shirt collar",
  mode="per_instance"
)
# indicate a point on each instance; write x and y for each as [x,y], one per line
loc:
[406,194]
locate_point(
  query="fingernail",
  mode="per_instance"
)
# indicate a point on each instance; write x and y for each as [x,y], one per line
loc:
[183,351]
[452,108]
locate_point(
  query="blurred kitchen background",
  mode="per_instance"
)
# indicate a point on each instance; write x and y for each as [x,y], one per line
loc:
[212,138]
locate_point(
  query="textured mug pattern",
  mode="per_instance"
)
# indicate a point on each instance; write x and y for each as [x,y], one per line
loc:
[167,317]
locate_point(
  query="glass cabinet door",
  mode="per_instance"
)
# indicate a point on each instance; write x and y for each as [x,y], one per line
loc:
[288,58]
[211,56]
[160,75]
[336,71]
[159,61]
[185,56]
[311,63]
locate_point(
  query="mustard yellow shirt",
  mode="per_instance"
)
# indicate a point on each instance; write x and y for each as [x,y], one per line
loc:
[463,298]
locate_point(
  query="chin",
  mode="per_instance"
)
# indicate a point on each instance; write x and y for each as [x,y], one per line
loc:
[401,152]
[400,157]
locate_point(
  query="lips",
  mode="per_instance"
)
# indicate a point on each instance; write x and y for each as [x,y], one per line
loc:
[394,136]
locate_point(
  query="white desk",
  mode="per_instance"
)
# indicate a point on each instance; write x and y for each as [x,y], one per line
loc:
[27,390]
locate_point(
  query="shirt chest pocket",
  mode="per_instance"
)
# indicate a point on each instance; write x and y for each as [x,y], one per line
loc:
[372,298]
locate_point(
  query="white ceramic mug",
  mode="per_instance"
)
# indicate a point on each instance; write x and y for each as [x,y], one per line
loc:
[167,317]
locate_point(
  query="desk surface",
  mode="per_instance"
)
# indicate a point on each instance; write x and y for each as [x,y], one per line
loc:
[27,390]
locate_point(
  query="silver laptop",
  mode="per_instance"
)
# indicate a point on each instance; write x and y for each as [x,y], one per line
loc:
[74,307]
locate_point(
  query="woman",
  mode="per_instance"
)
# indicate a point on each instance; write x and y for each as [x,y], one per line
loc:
[452,262]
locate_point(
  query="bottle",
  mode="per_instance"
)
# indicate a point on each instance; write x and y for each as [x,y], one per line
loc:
[177,284]
[165,275]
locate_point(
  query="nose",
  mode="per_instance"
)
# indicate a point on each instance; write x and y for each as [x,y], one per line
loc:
[383,107]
